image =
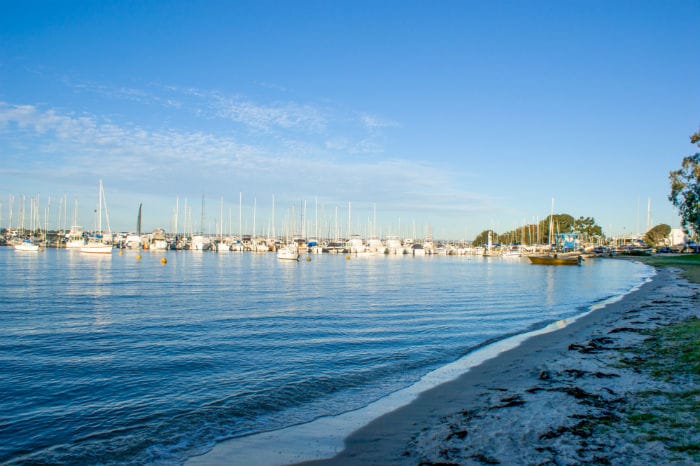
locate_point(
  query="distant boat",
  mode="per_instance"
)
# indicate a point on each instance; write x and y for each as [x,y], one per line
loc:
[418,250]
[288,252]
[27,245]
[221,246]
[158,240]
[133,241]
[394,246]
[375,246]
[356,245]
[96,244]
[74,239]
[200,243]
[556,260]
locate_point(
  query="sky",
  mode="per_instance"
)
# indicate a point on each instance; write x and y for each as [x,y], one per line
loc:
[397,116]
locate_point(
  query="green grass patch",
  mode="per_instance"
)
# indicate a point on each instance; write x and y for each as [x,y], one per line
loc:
[672,354]
[689,263]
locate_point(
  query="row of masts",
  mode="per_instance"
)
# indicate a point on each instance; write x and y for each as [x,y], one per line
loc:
[20,222]
[295,222]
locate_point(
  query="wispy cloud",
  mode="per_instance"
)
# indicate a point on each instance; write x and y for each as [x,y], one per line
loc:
[373,122]
[89,141]
[88,147]
[212,104]
[130,94]
[268,117]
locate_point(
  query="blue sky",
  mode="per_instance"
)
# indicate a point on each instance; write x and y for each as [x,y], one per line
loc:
[459,115]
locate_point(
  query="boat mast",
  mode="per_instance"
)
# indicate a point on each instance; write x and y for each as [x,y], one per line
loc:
[551,223]
[99,209]
[177,211]
[201,224]
[221,219]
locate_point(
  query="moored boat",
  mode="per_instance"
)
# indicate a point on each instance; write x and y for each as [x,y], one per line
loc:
[75,239]
[96,246]
[27,245]
[96,243]
[288,252]
[556,260]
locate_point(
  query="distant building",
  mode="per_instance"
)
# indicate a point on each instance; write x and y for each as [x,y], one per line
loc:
[677,237]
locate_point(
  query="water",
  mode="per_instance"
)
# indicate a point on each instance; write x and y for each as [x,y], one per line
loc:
[118,360]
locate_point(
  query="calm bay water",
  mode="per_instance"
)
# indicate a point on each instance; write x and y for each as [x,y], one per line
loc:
[116,360]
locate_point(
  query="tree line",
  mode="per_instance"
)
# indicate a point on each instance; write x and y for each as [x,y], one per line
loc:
[538,233]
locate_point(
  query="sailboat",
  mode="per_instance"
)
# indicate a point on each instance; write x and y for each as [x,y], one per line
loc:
[554,258]
[27,245]
[74,239]
[96,244]
[290,251]
[133,241]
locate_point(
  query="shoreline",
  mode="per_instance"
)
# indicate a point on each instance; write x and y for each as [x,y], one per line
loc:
[538,402]
[321,441]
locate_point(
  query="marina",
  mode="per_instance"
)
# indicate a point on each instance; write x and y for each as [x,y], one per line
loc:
[331,234]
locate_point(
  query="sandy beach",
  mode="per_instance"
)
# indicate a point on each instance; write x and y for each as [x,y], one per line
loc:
[560,398]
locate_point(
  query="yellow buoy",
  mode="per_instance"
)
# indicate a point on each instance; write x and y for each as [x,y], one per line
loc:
[308,258]
[347,257]
[138,257]
[164,261]
[121,253]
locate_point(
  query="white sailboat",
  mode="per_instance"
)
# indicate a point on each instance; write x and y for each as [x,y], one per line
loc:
[74,238]
[27,245]
[96,244]
[290,251]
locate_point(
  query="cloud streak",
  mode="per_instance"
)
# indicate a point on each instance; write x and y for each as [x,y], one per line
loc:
[88,147]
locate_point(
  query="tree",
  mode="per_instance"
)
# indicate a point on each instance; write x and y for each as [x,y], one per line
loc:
[561,223]
[657,235]
[685,189]
[482,238]
[587,227]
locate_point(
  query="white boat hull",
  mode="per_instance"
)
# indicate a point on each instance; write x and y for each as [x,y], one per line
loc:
[288,253]
[27,247]
[97,248]
[75,244]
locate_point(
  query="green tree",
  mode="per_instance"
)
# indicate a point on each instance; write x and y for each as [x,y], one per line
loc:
[482,239]
[561,223]
[587,227]
[657,235]
[685,189]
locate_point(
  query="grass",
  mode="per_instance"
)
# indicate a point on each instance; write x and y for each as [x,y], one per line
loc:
[689,263]
[672,354]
